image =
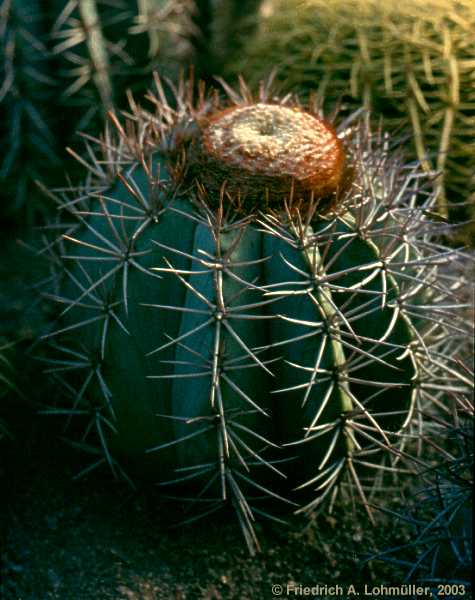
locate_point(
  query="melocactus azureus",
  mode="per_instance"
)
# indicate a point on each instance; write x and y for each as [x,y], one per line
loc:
[262,154]
[251,303]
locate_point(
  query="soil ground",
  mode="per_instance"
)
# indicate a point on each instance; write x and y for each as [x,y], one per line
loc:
[95,539]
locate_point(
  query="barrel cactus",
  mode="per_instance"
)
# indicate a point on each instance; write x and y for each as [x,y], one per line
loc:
[251,303]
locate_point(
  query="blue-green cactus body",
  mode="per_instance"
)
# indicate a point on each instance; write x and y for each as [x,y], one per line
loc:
[225,341]
[245,356]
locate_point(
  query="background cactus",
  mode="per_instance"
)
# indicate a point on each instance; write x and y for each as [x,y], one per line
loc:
[64,65]
[26,107]
[246,352]
[104,50]
[220,29]
[439,507]
[23,316]
[410,61]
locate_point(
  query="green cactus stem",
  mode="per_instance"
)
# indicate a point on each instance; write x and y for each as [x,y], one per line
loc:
[97,50]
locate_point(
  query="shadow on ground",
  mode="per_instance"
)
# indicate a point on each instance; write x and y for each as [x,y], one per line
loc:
[96,539]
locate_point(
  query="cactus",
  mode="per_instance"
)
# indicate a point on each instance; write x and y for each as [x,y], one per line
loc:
[220,29]
[439,509]
[26,95]
[437,506]
[411,61]
[252,305]
[104,49]
[64,65]
[23,316]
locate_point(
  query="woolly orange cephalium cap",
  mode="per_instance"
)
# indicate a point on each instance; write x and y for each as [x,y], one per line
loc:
[269,150]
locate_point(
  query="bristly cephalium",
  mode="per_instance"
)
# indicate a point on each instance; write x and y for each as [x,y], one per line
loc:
[250,353]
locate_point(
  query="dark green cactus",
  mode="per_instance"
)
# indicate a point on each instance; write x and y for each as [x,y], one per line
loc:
[63,66]
[23,275]
[220,29]
[106,49]
[26,106]
[252,306]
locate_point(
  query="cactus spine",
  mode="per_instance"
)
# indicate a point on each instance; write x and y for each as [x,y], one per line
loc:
[105,49]
[240,330]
